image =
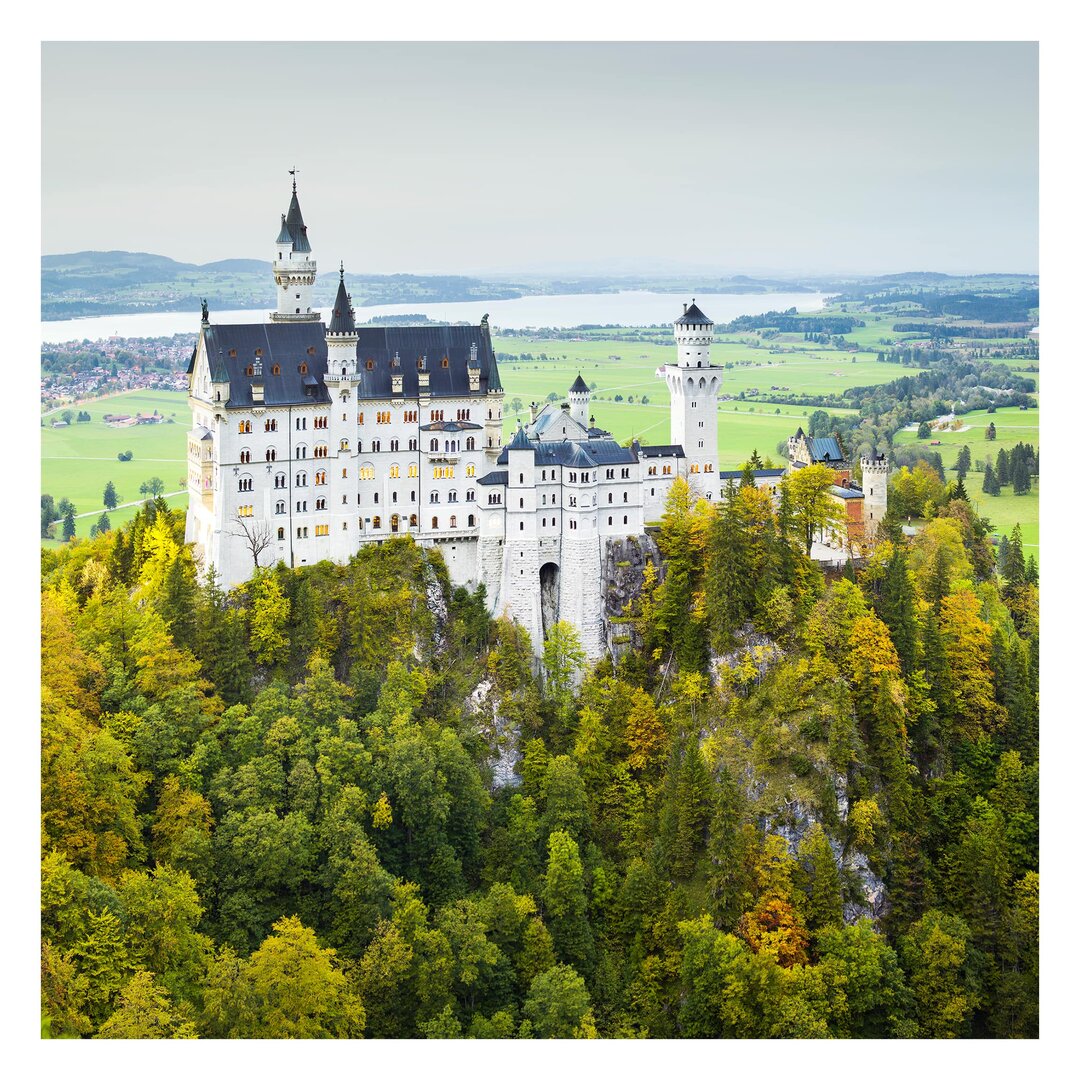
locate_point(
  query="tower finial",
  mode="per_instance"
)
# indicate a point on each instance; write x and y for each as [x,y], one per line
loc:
[292,172]
[342,269]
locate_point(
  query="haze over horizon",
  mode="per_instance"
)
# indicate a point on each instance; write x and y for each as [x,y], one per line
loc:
[768,158]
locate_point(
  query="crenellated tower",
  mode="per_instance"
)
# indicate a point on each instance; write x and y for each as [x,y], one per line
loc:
[579,401]
[694,385]
[875,486]
[294,267]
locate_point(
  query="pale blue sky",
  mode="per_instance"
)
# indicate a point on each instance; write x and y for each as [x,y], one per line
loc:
[639,157]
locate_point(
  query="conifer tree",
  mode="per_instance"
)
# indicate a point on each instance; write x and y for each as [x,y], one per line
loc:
[110,498]
[963,461]
[990,483]
[69,524]
[1002,468]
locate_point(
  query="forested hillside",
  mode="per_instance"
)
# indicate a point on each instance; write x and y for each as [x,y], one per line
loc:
[801,808]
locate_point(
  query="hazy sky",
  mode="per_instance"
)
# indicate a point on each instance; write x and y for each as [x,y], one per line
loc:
[458,158]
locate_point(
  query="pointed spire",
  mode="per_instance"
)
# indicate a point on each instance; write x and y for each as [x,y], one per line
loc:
[580,386]
[294,222]
[342,321]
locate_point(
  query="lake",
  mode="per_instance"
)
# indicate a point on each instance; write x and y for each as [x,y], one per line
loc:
[622,309]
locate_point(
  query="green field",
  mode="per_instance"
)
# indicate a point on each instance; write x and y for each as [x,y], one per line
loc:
[78,461]
[1004,510]
[629,368]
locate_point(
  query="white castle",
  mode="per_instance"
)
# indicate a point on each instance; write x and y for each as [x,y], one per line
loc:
[309,440]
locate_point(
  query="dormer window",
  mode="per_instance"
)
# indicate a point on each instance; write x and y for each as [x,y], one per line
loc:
[276,369]
[302,368]
[311,350]
[420,364]
[445,361]
[370,365]
[232,352]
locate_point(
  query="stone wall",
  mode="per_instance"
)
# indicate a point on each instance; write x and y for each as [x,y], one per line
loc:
[624,562]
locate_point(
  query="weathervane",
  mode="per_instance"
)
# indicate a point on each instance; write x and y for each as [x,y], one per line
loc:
[292,172]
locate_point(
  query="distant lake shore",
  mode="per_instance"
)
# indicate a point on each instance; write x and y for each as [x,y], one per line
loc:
[558,312]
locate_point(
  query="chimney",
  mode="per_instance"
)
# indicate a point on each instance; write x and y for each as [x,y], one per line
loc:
[532,412]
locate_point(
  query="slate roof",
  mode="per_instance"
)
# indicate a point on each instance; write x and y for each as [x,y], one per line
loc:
[693,316]
[575,455]
[663,450]
[845,493]
[342,321]
[381,343]
[497,478]
[283,344]
[827,449]
[580,386]
[294,221]
[736,474]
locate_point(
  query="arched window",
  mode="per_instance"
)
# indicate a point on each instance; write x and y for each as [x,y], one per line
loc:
[434,445]
[376,522]
[246,483]
[472,521]
[303,366]
[470,443]
[343,445]
[271,454]
[270,425]
[413,521]
[279,507]
[453,521]
[275,370]
[320,477]
[434,522]
[281,534]
[301,479]
[245,457]
[279,480]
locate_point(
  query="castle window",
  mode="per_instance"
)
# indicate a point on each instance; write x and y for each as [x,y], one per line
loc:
[694,468]
[232,352]
[626,496]
[521,526]
[414,471]
[322,530]
[303,366]
[624,520]
[667,470]
[271,454]
[279,507]
[451,496]
[376,445]
[376,522]
[270,425]
[275,370]
[652,470]
[521,504]
[472,521]
[433,497]
[245,457]
[344,473]
[370,365]
[434,446]
[445,362]
[470,470]
[301,479]
[453,521]
[320,504]
[246,483]
[249,370]
[708,467]
[521,478]
[311,350]
[301,423]
[626,474]
[360,419]
[395,472]
[413,521]
[245,511]
[414,444]
[343,446]
[434,522]
[393,445]
[245,427]
[609,519]
[281,534]
[301,451]
[610,497]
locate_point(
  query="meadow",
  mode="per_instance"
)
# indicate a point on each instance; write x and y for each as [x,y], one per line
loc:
[1004,510]
[78,461]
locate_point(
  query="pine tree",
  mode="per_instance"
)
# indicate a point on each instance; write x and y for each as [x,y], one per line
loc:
[1015,570]
[69,524]
[896,609]
[110,498]
[990,483]
[963,462]
[1003,468]
[1021,478]
[991,431]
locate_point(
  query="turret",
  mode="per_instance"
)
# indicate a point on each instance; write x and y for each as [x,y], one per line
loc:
[341,336]
[875,485]
[294,267]
[694,385]
[579,401]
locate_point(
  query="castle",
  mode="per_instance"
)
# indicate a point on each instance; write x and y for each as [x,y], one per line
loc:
[309,440]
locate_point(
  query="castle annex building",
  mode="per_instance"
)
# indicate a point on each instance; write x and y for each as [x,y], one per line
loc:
[310,439]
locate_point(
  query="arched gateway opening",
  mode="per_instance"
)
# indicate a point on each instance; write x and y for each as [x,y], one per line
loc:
[549,596]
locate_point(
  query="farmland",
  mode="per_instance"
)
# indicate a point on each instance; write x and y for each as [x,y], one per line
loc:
[1004,510]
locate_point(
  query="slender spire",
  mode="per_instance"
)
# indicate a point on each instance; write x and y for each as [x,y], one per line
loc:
[342,321]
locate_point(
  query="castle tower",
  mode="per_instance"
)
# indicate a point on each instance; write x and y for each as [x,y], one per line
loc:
[579,401]
[341,381]
[520,591]
[694,386]
[294,267]
[875,485]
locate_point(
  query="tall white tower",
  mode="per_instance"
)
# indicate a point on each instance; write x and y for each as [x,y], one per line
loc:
[294,267]
[875,485]
[341,381]
[579,401]
[694,385]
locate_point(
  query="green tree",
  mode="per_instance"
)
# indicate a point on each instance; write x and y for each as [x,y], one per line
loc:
[153,487]
[270,610]
[290,988]
[110,499]
[820,880]
[68,530]
[564,661]
[924,430]
[146,1012]
[963,461]
[557,1006]
[990,483]
[1004,474]
[813,509]
[991,432]
[563,896]
[936,956]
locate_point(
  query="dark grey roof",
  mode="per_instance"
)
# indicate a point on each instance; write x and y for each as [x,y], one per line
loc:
[520,441]
[286,345]
[574,455]
[297,229]
[827,449]
[498,477]
[666,450]
[580,386]
[342,321]
[759,474]
[693,316]
[284,237]
[451,425]
[380,344]
[845,493]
